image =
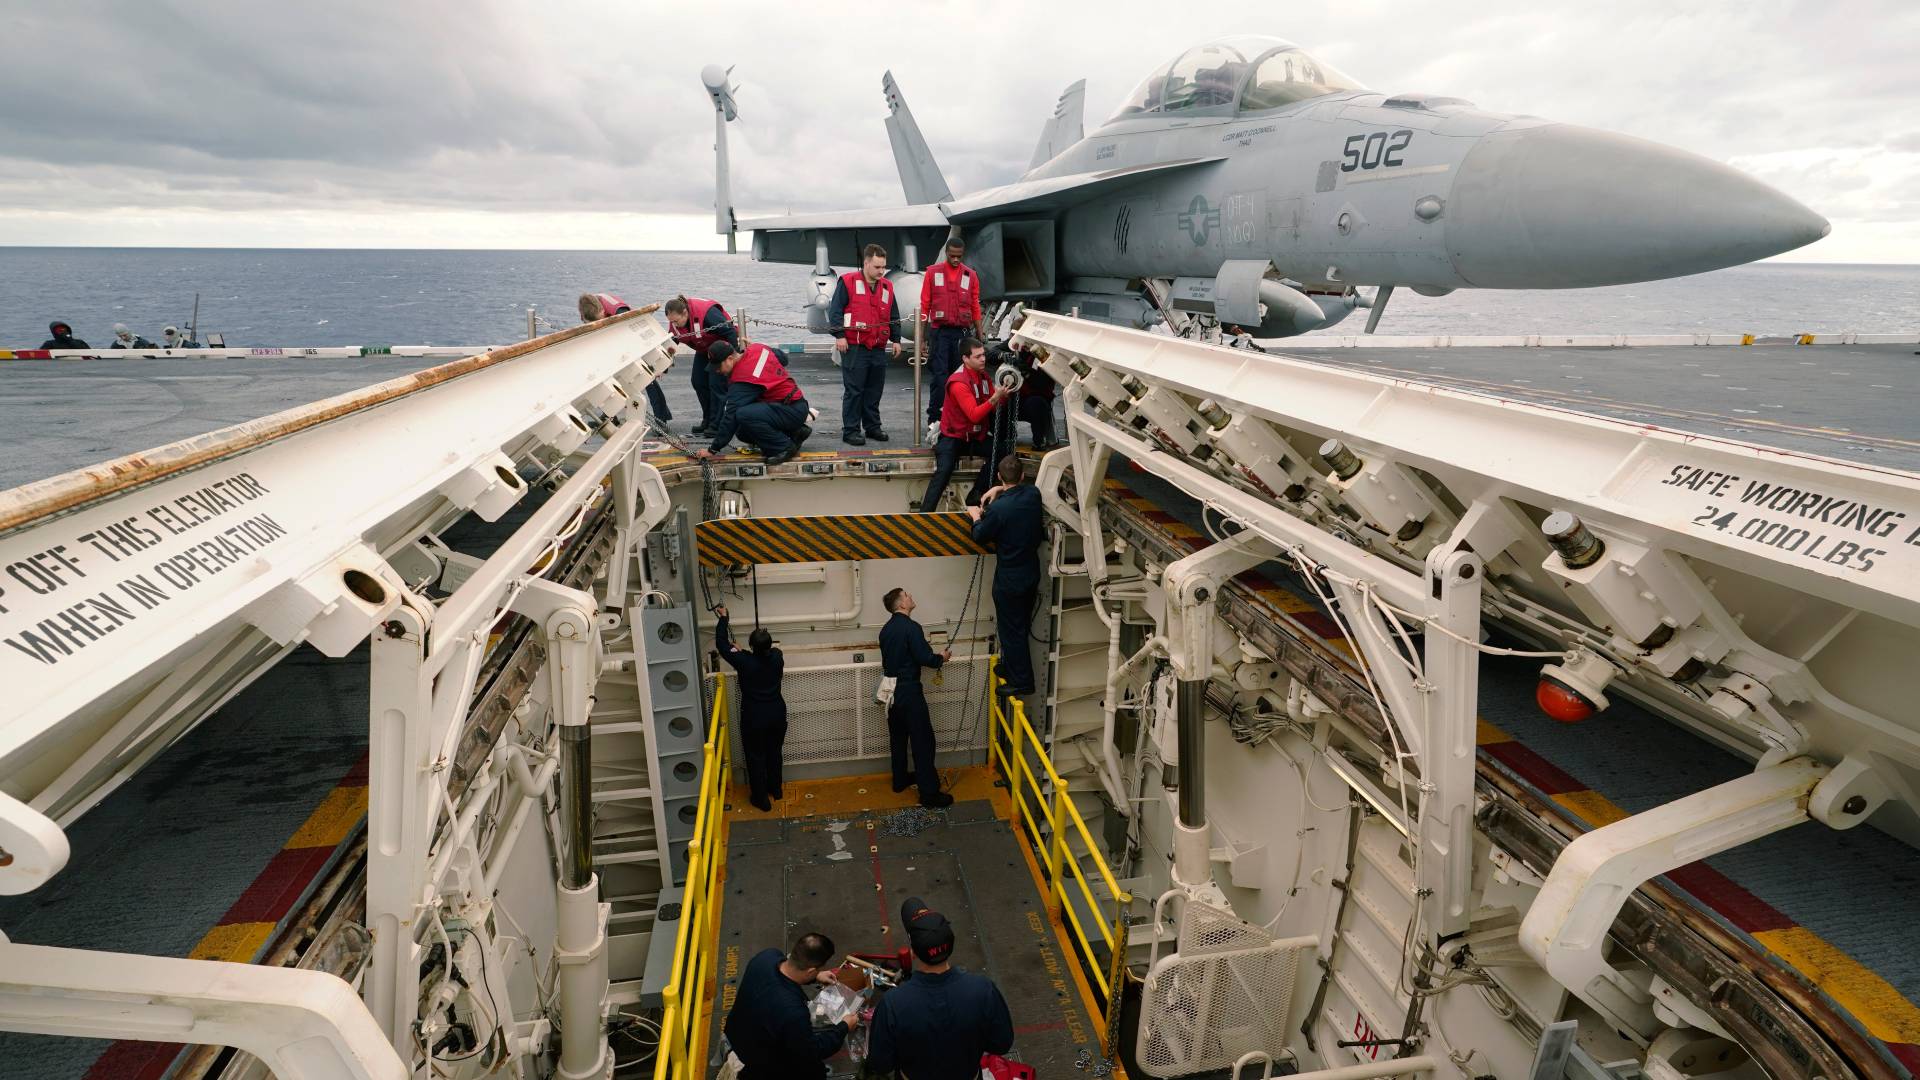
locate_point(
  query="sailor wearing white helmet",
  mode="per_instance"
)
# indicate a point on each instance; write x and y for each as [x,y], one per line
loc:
[124,338]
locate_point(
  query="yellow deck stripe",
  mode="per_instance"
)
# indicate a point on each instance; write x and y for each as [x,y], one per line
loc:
[335,817]
[235,942]
[1287,602]
[1591,807]
[1880,1008]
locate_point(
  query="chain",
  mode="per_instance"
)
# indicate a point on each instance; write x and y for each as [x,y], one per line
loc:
[757,320]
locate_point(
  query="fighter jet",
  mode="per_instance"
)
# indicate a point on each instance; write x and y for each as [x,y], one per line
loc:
[1247,183]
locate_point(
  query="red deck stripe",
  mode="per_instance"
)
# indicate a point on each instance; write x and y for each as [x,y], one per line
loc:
[128,1060]
[274,892]
[1724,895]
[1028,1029]
[1320,624]
[1534,769]
[1907,1054]
[356,776]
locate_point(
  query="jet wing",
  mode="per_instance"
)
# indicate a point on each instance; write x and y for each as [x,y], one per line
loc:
[1025,196]
[926,215]
[1056,192]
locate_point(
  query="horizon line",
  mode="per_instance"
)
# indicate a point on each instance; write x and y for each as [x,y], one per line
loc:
[1776,261]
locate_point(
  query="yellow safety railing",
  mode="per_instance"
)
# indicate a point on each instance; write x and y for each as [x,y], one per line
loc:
[1014,748]
[683,1026]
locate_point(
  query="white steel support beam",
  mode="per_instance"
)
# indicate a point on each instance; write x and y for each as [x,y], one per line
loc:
[277,524]
[1193,586]
[1621,474]
[1566,928]
[302,1025]
[1436,710]
[401,809]
[424,666]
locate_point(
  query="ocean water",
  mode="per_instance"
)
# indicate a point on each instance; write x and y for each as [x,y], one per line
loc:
[328,297]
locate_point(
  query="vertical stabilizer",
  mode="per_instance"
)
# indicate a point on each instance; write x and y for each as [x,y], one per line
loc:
[1065,127]
[919,174]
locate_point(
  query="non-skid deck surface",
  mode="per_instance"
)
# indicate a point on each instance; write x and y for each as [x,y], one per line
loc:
[829,860]
[60,415]
[203,852]
[1816,899]
[1860,403]
[206,851]
[56,416]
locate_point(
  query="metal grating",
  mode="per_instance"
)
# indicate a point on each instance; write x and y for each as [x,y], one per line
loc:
[832,717]
[1205,929]
[1227,992]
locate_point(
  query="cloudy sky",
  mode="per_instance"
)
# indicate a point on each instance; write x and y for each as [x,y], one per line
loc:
[493,123]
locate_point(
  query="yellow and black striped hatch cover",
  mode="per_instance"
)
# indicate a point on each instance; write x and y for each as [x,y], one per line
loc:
[735,541]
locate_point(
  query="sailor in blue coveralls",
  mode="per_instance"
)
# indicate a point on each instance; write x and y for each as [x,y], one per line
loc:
[903,652]
[1013,520]
[763,712]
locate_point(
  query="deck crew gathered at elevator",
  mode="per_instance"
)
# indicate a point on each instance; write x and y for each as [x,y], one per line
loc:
[595,306]
[770,1029]
[903,652]
[950,307]
[701,324]
[763,709]
[940,1022]
[932,1020]
[1012,518]
[966,424]
[865,319]
[762,402]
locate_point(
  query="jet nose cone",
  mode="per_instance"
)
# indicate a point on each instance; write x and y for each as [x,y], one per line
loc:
[1557,206]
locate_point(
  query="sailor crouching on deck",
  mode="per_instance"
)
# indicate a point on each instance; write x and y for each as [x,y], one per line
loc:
[763,403]
[595,306]
[763,711]
[940,1022]
[1013,520]
[700,325]
[950,306]
[903,652]
[965,411]
[866,324]
[770,1028]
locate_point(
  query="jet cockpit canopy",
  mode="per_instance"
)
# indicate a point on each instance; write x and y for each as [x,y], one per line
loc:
[1236,75]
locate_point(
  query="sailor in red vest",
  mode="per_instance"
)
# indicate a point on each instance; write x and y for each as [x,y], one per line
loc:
[595,306]
[699,325]
[763,403]
[950,306]
[866,320]
[965,417]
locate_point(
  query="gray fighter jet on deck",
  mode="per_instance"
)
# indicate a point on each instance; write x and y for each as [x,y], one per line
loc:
[1246,182]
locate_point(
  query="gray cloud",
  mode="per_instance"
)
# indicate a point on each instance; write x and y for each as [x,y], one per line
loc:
[491,105]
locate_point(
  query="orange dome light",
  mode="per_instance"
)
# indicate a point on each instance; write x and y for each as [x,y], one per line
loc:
[1562,702]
